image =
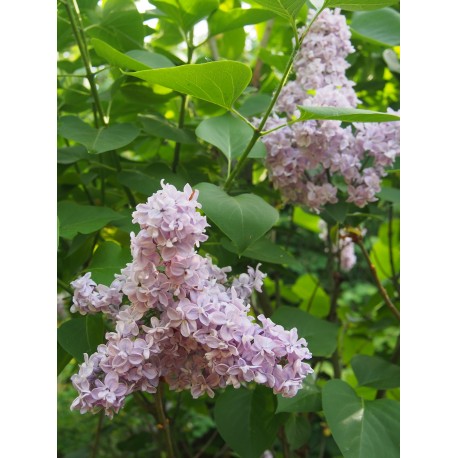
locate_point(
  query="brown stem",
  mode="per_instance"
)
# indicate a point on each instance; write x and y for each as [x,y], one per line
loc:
[377,281]
[95,446]
[394,278]
[164,424]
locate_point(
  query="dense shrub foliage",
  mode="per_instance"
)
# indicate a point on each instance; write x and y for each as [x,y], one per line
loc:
[228,256]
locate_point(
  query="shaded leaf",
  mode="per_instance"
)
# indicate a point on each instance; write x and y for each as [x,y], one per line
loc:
[263,250]
[298,431]
[375,372]
[307,399]
[97,140]
[321,335]
[361,428]
[81,335]
[244,218]
[315,300]
[381,27]
[163,129]
[63,358]
[108,260]
[84,219]
[246,419]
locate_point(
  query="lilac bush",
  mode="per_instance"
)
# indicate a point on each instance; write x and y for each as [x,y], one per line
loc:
[179,318]
[302,158]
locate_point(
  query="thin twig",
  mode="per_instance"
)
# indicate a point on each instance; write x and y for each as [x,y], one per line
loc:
[206,445]
[377,281]
[394,278]
[257,132]
[95,446]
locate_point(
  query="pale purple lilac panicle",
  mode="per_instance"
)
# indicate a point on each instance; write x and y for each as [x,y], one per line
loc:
[303,157]
[183,320]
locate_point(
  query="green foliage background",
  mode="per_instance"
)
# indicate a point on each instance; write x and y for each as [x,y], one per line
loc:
[108,164]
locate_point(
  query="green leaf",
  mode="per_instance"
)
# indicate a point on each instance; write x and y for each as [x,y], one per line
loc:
[220,82]
[75,218]
[97,140]
[335,212]
[163,129]
[81,335]
[246,419]
[381,27]
[108,260]
[263,250]
[359,5]
[244,218]
[375,372]
[148,181]
[361,428]
[222,21]
[306,220]
[287,9]
[121,25]
[229,134]
[254,104]
[63,358]
[133,60]
[390,195]
[71,154]
[321,335]
[298,431]
[307,399]
[344,114]
[186,13]
[315,300]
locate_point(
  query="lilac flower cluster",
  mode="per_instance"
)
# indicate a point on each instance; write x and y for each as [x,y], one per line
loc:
[344,248]
[185,322]
[302,158]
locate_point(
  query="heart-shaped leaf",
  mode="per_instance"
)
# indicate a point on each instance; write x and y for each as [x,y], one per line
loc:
[359,5]
[361,428]
[320,335]
[244,218]
[97,140]
[219,82]
[229,134]
[344,114]
[133,60]
[381,27]
[375,372]
[81,335]
[246,419]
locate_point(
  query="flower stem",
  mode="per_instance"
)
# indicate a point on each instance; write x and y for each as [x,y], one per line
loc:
[164,424]
[257,132]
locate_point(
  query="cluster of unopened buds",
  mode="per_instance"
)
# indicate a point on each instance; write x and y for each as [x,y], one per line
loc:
[303,158]
[185,323]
